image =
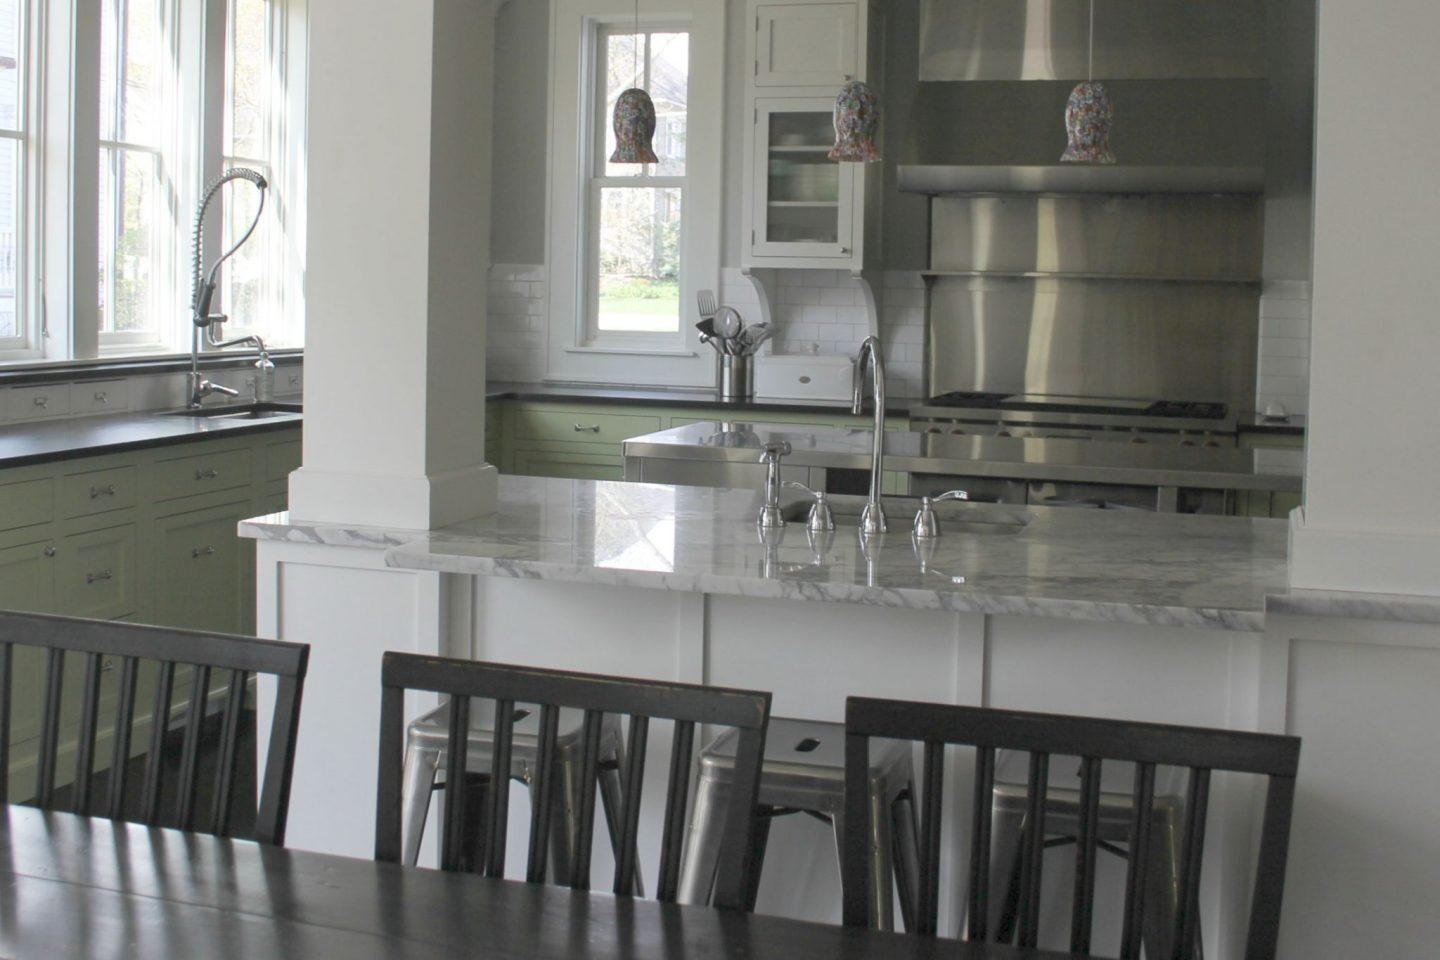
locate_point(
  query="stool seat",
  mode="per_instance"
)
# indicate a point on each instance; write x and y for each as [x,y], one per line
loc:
[803,771]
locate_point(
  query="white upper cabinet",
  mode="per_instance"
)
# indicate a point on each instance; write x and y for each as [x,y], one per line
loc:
[801,208]
[804,44]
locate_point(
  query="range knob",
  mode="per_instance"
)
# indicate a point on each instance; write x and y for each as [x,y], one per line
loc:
[1002,433]
[1210,441]
[957,432]
[1135,436]
[932,430]
[1185,441]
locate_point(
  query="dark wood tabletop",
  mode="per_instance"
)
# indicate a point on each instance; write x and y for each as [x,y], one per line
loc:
[78,887]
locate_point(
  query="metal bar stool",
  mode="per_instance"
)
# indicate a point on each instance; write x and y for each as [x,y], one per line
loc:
[425,740]
[1062,826]
[804,772]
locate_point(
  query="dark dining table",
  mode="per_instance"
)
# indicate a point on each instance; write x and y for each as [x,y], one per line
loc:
[80,887]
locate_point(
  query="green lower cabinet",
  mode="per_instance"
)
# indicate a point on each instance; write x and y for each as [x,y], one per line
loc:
[1261,503]
[97,573]
[198,568]
[568,465]
[27,577]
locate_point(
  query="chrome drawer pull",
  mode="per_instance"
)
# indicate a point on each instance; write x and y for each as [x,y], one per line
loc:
[106,491]
[51,551]
[587,428]
[209,474]
[42,401]
[199,552]
[102,575]
[102,397]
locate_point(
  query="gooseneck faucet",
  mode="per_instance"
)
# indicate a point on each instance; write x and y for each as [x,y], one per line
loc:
[872,518]
[202,290]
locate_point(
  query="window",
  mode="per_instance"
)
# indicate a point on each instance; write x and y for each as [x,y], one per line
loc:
[114,114]
[634,256]
[138,232]
[255,287]
[622,283]
[14,205]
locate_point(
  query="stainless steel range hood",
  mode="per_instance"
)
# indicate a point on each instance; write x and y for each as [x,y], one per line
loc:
[1050,39]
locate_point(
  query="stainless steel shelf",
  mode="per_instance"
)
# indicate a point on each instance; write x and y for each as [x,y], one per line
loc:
[1080,178]
[1052,275]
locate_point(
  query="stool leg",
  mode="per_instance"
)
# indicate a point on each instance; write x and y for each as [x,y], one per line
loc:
[477,789]
[906,833]
[1164,886]
[612,800]
[565,825]
[416,783]
[702,844]
[1006,832]
[762,840]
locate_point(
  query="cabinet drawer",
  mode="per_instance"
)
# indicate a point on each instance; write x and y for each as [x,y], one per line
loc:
[97,572]
[32,403]
[26,504]
[100,396]
[580,426]
[202,473]
[84,494]
[569,466]
[198,569]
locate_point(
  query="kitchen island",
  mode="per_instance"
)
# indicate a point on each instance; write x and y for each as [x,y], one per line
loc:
[1092,612]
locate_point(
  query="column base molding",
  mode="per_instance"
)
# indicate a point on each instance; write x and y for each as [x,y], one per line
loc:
[376,500]
[1368,561]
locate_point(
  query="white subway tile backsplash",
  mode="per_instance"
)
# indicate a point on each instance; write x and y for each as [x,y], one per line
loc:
[1284,367]
[1284,347]
[838,296]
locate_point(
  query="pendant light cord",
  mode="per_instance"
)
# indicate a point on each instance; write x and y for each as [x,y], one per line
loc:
[1090,50]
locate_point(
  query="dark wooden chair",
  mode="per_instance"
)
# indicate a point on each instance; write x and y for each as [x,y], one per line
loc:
[551,690]
[45,643]
[1093,741]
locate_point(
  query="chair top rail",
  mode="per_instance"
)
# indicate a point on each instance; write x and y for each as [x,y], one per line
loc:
[661,699]
[218,650]
[1238,751]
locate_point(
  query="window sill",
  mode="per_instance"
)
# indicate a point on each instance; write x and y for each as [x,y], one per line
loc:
[632,351]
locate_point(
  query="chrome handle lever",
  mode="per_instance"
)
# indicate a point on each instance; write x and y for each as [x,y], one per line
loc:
[102,575]
[927,525]
[770,515]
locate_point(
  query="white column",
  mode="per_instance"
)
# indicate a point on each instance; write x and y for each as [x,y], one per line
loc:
[1371,520]
[398,248]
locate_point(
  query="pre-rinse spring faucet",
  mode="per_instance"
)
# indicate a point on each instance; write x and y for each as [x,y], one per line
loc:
[872,518]
[202,290]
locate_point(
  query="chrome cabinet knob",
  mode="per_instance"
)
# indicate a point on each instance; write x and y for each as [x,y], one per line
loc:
[927,525]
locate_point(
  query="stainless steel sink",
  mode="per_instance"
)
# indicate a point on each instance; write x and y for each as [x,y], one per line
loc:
[242,411]
[959,518]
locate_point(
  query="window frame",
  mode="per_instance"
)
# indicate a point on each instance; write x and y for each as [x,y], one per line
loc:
[598,181]
[29,321]
[570,355]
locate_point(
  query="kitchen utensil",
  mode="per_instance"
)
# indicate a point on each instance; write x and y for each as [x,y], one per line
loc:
[705,300]
[706,327]
[756,335]
[728,323]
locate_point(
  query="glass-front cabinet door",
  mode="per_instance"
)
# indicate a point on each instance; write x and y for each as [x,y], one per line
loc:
[803,200]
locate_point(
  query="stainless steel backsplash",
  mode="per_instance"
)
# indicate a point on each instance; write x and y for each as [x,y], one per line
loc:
[1101,296]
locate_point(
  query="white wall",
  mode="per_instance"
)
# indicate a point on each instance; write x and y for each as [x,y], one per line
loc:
[1371,519]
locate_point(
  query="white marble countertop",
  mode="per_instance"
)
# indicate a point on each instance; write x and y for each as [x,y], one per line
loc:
[1120,566]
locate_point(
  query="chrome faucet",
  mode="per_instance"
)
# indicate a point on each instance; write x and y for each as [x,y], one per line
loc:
[203,290]
[872,518]
[770,515]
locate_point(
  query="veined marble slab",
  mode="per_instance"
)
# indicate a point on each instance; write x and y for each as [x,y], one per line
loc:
[1119,566]
[1391,607]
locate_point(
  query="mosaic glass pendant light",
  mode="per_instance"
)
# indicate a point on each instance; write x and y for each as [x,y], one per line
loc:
[634,118]
[857,124]
[1089,114]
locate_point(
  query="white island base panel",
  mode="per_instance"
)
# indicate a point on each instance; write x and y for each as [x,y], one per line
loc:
[1365,832]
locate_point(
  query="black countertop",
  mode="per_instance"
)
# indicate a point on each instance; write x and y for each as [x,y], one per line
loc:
[47,441]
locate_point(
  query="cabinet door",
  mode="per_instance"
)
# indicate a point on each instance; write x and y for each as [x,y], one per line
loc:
[27,577]
[804,202]
[96,574]
[804,44]
[198,572]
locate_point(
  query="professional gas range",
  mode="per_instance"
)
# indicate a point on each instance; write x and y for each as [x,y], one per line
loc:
[1133,420]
